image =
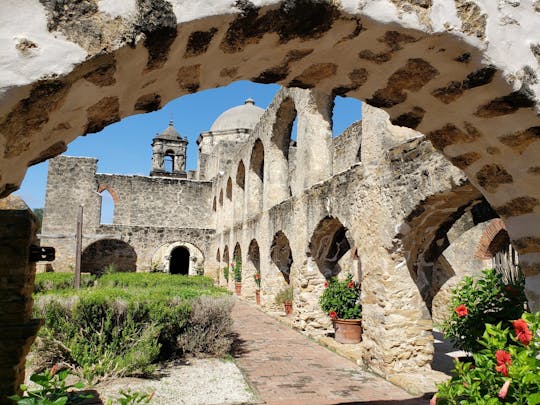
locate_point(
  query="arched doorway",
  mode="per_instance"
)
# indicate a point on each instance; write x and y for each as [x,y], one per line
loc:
[179,262]
[108,255]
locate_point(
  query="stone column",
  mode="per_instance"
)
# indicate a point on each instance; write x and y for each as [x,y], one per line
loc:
[17,328]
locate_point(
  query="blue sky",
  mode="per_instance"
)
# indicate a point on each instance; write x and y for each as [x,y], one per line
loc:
[124,147]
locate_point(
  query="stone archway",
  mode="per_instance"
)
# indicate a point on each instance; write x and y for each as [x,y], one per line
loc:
[422,63]
[480,116]
[178,258]
[105,255]
[179,261]
[255,178]
[281,255]
[328,245]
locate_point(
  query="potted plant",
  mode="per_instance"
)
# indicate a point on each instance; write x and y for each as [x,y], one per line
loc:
[237,275]
[285,298]
[341,301]
[257,278]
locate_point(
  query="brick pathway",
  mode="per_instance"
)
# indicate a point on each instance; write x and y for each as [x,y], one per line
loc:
[286,368]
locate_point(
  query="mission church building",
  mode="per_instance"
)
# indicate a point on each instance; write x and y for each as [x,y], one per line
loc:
[374,185]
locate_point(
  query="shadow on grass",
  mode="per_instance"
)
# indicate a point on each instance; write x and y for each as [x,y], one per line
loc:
[238,347]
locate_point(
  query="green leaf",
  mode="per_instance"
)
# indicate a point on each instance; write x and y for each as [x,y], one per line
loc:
[533,399]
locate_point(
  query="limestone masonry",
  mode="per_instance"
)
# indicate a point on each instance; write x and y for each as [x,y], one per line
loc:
[378,202]
[407,213]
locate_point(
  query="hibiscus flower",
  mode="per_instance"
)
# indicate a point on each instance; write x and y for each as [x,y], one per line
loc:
[503,361]
[504,389]
[333,314]
[351,284]
[523,333]
[461,310]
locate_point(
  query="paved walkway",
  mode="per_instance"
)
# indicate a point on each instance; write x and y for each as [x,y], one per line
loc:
[286,368]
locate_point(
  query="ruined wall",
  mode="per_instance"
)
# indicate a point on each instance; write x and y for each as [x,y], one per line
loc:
[347,148]
[71,182]
[159,201]
[463,73]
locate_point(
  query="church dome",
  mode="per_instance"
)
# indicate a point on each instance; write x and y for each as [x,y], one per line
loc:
[169,134]
[243,116]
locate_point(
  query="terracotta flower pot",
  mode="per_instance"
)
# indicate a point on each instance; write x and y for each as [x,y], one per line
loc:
[258,297]
[348,330]
[288,308]
[238,288]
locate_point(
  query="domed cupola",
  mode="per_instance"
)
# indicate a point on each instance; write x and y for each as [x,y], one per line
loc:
[168,146]
[244,116]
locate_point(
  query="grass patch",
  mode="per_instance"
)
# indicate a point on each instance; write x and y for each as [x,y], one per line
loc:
[125,323]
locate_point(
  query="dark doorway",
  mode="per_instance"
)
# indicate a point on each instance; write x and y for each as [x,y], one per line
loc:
[179,263]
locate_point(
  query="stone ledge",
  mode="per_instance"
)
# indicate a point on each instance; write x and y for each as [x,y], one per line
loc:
[419,383]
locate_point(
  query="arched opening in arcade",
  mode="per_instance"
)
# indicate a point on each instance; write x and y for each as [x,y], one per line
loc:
[179,261]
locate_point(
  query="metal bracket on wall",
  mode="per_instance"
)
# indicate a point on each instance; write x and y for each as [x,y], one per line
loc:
[41,254]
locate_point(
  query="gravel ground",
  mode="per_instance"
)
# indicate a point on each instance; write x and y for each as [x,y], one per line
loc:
[201,382]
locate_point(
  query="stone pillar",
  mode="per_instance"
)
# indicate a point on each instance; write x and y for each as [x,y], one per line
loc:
[17,328]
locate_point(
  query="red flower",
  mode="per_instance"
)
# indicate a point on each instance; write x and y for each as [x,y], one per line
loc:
[351,284]
[503,360]
[461,310]
[504,389]
[257,276]
[326,284]
[523,333]
[502,369]
[332,314]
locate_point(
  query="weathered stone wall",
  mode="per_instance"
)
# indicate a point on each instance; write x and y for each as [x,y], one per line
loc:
[347,148]
[18,331]
[145,242]
[159,201]
[439,68]
[71,182]
[399,170]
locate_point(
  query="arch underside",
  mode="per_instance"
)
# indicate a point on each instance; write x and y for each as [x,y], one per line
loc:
[435,83]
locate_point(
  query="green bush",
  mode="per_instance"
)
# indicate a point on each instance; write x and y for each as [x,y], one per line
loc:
[341,299]
[127,322]
[506,369]
[60,281]
[477,302]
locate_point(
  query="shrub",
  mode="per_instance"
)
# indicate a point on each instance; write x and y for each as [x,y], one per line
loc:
[257,279]
[125,324]
[60,281]
[340,299]
[285,295]
[237,269]
[226,272]
[506,369]
[477,302]
[209,329]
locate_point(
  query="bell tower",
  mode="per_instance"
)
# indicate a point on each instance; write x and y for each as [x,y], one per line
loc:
[169,153]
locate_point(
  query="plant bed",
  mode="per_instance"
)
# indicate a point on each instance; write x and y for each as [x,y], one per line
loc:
[128,322]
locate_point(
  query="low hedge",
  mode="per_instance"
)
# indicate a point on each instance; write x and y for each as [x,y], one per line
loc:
[127,322]
[60,281]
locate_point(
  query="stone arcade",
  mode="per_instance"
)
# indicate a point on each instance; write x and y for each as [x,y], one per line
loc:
[464,73]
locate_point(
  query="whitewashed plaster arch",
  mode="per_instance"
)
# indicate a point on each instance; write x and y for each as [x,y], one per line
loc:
[162,256]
